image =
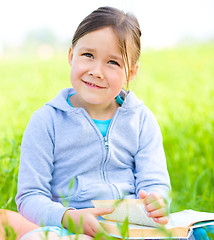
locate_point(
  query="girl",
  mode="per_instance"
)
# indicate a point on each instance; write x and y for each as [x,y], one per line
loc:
[96,135]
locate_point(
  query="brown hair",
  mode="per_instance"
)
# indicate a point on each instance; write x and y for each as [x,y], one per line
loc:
[125,26]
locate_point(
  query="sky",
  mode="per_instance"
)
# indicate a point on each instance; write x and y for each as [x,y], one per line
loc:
[163,22]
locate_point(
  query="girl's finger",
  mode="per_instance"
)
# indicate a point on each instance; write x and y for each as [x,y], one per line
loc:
[101,211]
[152,198]
[160,203]
[143,194]
[161,212]
[161,220]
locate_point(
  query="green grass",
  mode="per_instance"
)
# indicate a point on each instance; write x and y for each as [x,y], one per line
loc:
[176,84]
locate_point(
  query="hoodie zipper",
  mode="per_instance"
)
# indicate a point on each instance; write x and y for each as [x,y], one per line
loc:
[105,140]
[113,188]
[106,146]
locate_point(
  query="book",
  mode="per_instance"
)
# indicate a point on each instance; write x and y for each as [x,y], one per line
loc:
[140,226]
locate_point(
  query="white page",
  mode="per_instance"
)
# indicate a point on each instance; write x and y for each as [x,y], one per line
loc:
[133,208]
[187,217]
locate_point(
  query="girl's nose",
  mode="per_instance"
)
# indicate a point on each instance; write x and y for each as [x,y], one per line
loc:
[96,71]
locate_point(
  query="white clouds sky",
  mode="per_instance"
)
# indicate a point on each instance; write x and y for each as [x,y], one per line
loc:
[163,22]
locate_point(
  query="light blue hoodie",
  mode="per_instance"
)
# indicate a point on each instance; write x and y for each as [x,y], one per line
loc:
[62,143]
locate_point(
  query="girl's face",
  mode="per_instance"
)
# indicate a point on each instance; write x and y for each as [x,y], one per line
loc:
[97,68]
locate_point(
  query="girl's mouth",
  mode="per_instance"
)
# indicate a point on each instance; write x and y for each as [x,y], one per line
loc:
[92,85]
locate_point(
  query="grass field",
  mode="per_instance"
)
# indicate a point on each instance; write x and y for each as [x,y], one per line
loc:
[176,84]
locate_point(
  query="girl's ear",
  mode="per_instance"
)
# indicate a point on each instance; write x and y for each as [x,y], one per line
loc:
[70,56]
[133,71]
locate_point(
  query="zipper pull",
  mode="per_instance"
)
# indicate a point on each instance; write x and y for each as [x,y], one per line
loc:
[105,140]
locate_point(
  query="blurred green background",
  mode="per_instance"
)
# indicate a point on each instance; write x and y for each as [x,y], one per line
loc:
[177,84]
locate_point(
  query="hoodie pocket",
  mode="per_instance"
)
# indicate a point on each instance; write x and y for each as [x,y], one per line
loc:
[70,193]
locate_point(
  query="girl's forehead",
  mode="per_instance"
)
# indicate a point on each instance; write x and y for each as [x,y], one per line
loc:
[103,38]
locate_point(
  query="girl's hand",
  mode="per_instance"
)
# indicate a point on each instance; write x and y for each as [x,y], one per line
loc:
[155,206]
[91,225]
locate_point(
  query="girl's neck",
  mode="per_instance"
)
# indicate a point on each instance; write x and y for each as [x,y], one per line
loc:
[96,111]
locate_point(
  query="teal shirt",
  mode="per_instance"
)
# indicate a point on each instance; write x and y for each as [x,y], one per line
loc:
[102,125]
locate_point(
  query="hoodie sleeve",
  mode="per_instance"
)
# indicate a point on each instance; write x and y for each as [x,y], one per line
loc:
[150,162]
[34,199]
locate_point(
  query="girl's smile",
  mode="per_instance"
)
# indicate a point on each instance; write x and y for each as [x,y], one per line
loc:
[92,85]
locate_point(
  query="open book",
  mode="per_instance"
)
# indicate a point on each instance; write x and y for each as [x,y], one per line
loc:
[140,226]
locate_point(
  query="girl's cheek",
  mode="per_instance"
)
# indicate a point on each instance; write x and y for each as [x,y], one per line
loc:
[78,69]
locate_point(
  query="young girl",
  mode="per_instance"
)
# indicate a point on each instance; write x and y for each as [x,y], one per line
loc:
[96,135]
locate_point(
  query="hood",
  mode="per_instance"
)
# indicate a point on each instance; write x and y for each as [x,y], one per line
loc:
[60,101]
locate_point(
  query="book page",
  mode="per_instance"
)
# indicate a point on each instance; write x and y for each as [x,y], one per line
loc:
[188,217]
[133,208]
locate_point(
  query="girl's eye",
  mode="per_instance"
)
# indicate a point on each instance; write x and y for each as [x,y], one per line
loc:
[89,55]
[114,62]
